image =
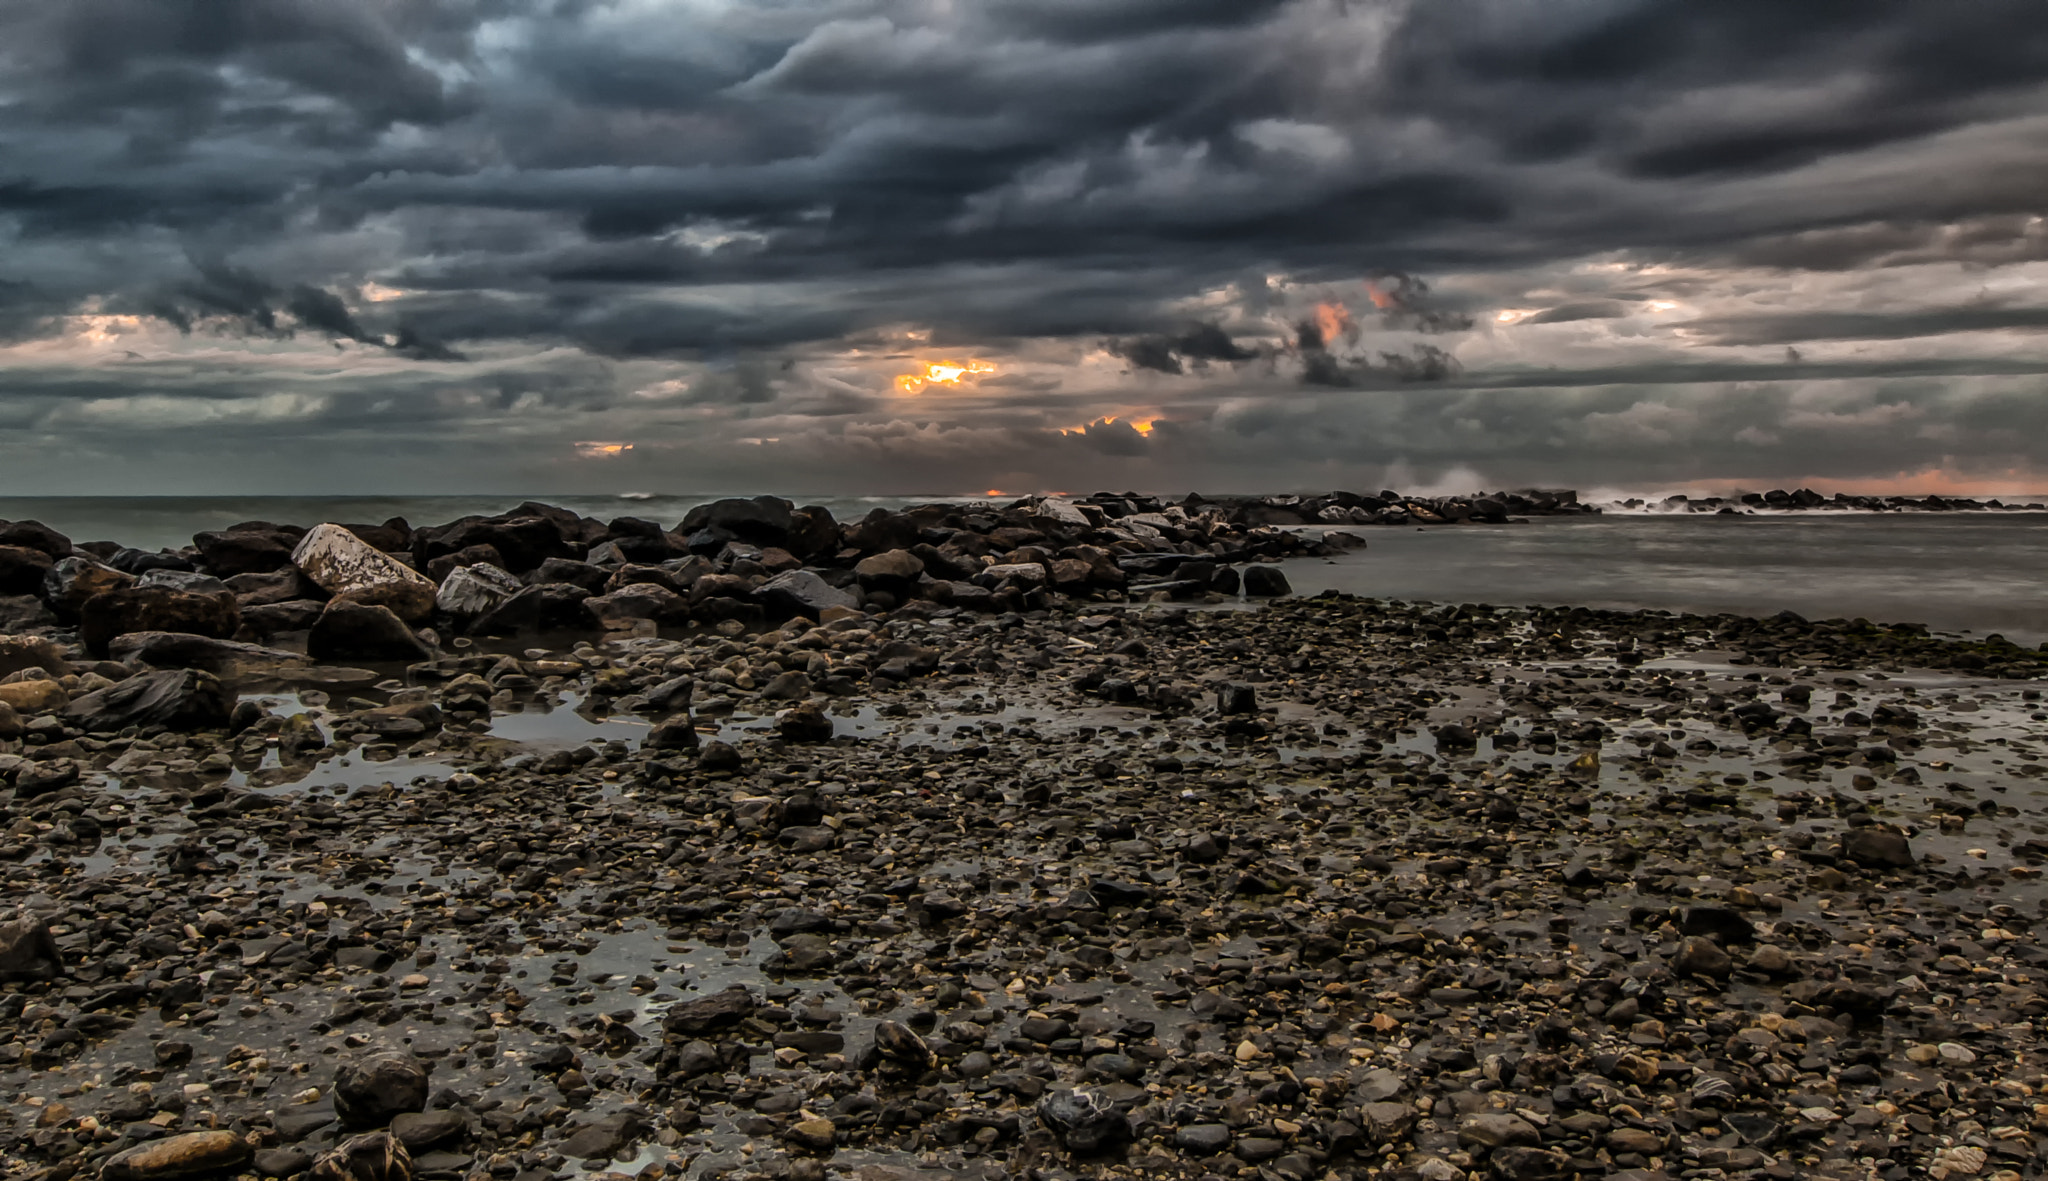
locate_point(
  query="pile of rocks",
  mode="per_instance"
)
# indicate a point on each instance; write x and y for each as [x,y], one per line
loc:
[1807,500]
[361,592]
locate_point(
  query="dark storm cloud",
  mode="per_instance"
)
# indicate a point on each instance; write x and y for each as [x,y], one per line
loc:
[1197,346]
[1589,309]
[563,206]
[1792,328]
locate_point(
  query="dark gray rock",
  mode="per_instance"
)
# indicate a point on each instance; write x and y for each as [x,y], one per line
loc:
[1086,1121]
[358,631]
[370,1090]
[178,700]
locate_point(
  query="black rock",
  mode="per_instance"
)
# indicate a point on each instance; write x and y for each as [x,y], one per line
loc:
[1085,1121]
[372,1089]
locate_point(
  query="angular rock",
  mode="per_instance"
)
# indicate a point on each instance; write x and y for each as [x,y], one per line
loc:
[357,631]
[175,699]
[543,606]
[75,579]
[470,591]
[673,733]
[222,658]
[156,609]
[711,1014]
[278,586]
[604,1139]
[347,567]
[636,603]
[804,723]
[194,1154]
[763,520]
[802,592]
[1878,847]
[28,951]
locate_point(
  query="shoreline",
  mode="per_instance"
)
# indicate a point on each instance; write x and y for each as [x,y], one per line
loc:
[1326,885]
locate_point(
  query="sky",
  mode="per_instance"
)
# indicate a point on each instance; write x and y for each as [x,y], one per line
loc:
[938,246]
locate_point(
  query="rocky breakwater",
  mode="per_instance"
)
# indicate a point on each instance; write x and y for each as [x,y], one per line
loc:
[392,592]
[1386,507]
[1333,887]
[1806,500]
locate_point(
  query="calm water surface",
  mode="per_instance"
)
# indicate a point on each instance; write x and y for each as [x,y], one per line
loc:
[1982,572]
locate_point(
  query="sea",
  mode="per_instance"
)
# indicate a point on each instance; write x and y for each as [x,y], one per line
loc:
[1964,573]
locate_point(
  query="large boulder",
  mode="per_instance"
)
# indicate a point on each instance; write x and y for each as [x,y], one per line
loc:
[253,549]
[223,658]
[22,570]
[883,530]
[361,631]
[347,567]
[36,536]
[155,609]
[28,951]
[371,1089]
[178,700]
[522,542]
[469,591]
[895,571]
[802,592]
[763,520]
[75,579]
[812,533]
[545,606]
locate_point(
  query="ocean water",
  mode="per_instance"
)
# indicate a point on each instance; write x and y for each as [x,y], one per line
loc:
[1957,572]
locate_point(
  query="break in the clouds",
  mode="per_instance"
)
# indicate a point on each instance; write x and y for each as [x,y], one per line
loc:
[937,245]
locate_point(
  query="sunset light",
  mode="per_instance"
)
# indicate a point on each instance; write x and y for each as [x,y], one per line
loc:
[942,373]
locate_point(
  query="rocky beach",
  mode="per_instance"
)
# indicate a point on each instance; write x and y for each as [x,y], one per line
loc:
[964,842]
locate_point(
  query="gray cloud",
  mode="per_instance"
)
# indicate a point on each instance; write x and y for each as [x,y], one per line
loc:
[1292,234]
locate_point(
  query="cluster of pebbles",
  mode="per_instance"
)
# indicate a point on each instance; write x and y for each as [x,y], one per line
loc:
[1328,888]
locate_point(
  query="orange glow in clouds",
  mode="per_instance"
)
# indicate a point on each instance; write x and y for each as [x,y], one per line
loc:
[1141,425]
[1334,319]
[942,373]
[602,450]
[1380,299]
